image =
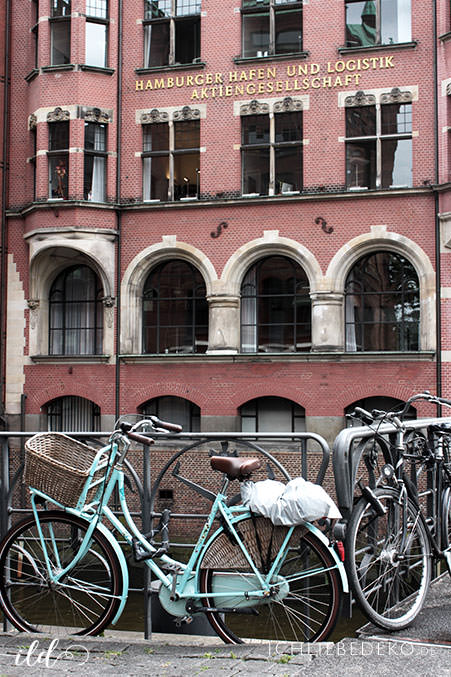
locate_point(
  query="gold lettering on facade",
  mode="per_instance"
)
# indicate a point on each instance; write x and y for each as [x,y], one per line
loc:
[266,80]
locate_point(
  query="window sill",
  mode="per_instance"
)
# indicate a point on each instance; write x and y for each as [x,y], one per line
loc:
[198,65]
[310,356]
[445,37]
[32,75]
[96,69]
[43,359]
[58,67]
[272,57]
[378,48]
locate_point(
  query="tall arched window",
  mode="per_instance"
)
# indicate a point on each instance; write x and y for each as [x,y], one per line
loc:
[272,414]
[175,310]
[175,410]
[73,414]
[382,304]
[76,313]
[275,307]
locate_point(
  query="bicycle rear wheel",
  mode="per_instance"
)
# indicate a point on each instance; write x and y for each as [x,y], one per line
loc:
[388,560]
[446,518]
[83,602]
[306,595]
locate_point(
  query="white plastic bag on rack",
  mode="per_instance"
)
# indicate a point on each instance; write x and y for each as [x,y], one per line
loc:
[288,504]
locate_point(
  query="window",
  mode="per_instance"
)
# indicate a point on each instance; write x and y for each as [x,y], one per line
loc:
[175,410]
[272,415]
[95,162]
[76,313]
[175,310]
[171,159]
[271,153]
[271,27]
[96,33]
[35,31]
[380,403]
[382,304]
[275,307]
[171,32]
[379,143]
[377,22]
[73,414]
[58,155]
[60,31]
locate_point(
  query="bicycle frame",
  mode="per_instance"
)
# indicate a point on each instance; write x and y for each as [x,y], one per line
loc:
[183,579]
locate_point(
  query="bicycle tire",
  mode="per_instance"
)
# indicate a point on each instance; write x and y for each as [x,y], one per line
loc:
[389,587]
[303,609]
[83,603]
[446,518]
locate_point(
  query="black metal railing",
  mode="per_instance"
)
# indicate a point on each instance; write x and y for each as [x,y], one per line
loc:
[173,457]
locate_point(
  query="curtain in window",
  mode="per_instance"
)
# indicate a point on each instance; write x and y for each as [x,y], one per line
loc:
[249,312]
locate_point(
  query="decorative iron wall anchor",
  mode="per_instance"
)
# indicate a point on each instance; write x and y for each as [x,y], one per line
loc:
[219,229]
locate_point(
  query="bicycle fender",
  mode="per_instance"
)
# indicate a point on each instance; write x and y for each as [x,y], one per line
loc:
[340,566]
[124,569]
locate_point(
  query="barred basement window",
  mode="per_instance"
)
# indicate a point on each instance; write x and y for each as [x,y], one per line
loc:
[377,22]
[96,33]
[271,149]
[58,156]
[171,160]
[95,162]
[73,414]
[271,27]
[60,23]
[272,414]
[176,410]
[379,141]
[171,32]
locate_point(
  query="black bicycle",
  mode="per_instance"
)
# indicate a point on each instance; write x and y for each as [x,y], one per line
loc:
[400,526]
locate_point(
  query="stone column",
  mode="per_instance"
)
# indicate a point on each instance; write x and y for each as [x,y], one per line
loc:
[224,324]
[327,322]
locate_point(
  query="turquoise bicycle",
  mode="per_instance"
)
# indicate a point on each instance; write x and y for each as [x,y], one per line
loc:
[63,571]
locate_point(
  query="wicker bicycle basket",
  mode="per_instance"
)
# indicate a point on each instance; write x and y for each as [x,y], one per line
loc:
[59,466]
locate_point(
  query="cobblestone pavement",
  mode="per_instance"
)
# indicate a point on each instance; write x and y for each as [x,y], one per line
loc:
[423,649]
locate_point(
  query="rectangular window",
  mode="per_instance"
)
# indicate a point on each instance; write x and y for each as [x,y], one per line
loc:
[171,32]
[95,162]
[377,22]
[35,31]
[171,160]
[271,27]
[271,153]
[60,32]
[379,146]
[96,33]
[58,155]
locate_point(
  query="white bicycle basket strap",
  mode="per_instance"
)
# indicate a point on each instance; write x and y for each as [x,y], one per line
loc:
[288,504]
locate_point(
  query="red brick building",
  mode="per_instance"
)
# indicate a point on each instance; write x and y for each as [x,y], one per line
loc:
[234,214]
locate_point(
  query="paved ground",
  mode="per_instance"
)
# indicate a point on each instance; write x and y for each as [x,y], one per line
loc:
[423,649]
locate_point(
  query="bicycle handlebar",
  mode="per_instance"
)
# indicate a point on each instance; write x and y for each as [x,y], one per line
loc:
[367,417]
[142,439]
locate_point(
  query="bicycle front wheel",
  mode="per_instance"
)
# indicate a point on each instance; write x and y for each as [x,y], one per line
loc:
[305,598]
[82,602]
[388,560]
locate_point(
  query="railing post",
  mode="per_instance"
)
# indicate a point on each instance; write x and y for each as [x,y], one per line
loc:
[146,525]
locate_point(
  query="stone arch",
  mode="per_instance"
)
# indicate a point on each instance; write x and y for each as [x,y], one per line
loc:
[271,244]
[379,238]
[136,274]
[50,257]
